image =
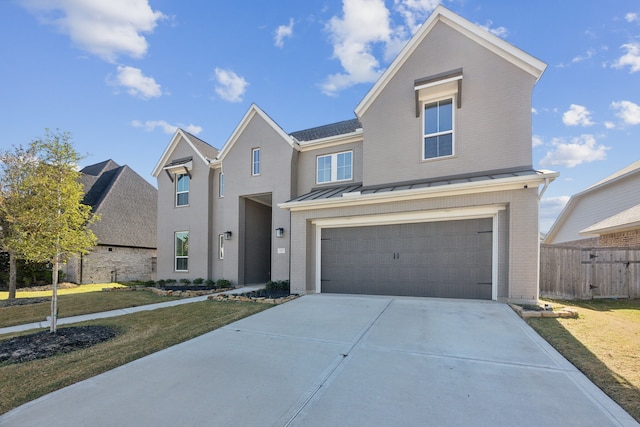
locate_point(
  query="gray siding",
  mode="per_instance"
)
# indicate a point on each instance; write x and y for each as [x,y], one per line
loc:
[307,166]
[492,129]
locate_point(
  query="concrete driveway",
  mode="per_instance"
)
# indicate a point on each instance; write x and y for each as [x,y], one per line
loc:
[329,360]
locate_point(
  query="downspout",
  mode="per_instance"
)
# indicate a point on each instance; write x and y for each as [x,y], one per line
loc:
[547,181]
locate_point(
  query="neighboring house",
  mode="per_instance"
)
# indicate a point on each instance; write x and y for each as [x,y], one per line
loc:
[606,214]
[429,191]
[126,231]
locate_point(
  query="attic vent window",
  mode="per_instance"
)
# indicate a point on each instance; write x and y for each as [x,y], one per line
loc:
[438,86]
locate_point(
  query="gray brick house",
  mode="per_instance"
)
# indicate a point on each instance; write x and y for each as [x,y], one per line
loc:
[428,191]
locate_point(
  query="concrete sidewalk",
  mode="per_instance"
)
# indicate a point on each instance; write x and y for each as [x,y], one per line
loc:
[325,360]
[112,313]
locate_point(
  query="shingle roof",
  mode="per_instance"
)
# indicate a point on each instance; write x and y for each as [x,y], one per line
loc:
[126,203]
[325,131]
[206,149]
[628,218]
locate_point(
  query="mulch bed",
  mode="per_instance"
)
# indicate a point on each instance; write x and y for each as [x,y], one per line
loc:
[45,344]
[22,301]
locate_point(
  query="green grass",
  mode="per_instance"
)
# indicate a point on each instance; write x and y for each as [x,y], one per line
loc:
[72,289]
[77,304]
[140,334]
[603,342]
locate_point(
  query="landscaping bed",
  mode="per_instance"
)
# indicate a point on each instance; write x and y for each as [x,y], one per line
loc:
[269,296]
[44,344]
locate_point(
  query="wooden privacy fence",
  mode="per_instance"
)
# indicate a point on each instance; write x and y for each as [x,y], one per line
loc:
[585,273]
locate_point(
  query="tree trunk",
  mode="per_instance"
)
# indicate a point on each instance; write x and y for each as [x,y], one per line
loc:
[12,274]
[54,297]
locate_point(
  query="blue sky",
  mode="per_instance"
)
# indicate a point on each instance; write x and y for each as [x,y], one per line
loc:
[120,75]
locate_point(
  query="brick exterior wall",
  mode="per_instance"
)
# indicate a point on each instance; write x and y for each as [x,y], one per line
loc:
[624,239]
[105,264]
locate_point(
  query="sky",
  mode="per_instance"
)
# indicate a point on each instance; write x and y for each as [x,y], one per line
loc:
[122,75]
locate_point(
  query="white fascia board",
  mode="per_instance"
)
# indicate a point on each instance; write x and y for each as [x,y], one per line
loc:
[485,186]
[495,44]
[246,119]
[331,141]
[172,146]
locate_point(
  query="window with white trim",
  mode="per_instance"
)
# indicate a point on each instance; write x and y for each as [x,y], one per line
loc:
[220,246]
[438,129]
[182,251]
[182,189]
[334,167]
[255,162]
[221,185]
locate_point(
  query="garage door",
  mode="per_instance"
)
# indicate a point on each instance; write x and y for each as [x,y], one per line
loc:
[450,259]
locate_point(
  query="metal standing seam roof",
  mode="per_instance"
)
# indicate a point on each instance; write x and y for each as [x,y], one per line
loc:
[339,191]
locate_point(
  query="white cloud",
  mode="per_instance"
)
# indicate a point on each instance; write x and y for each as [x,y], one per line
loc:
[415,12]
[364,23]
[536,141]
[501,32]
[136,83]
[631,58]
[582,149]
[550,208]
[609,125]
[104,28]
[631,17]
[577,115]
[590,53]
[628,111]
[229,86]
[151,125]
[282,32]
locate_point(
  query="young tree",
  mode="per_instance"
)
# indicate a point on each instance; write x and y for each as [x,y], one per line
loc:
[52,221]
[15,166]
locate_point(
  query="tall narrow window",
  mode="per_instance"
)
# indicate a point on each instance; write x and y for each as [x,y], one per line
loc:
[182,189]
[221,185]
[255,162]
[335,167]
[220,246]
[438,129]
[182,251]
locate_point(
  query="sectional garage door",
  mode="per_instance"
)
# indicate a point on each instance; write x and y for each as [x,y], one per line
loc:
[449,259]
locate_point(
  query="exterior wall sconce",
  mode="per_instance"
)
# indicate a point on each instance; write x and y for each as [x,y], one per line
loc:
[227,235]
[279,232]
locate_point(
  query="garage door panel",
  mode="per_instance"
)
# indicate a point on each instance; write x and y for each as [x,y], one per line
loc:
[439,259]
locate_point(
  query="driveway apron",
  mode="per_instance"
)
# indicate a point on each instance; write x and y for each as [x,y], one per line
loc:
[343,360]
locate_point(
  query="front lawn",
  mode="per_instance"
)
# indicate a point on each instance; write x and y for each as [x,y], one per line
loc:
[603,342]
[139,334]
[64,289]
[75,304]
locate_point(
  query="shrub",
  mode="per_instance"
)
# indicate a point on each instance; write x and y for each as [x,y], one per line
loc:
[198,281]
[185,281]
[210,284]
[223,283]
[149,283]
[277,285]
[170,281]
[161,283]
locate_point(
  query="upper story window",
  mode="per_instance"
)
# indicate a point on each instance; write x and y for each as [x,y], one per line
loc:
[335,167]
[221,185]
[182,189]
[255,162]
[438,129]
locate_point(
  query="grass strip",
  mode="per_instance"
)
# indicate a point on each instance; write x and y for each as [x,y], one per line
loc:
[77,304]
[603,343]
[140,334]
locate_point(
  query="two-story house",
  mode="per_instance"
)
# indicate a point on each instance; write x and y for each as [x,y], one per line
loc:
[429,191]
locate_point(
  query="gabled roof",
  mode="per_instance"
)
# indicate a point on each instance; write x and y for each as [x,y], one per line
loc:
[327,131]
[205,152]
[528,63]
[628,219]
[253,111]
[126,203]
[623,173]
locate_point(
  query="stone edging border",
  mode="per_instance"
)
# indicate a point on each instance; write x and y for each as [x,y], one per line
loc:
[243,298]
[528,314]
